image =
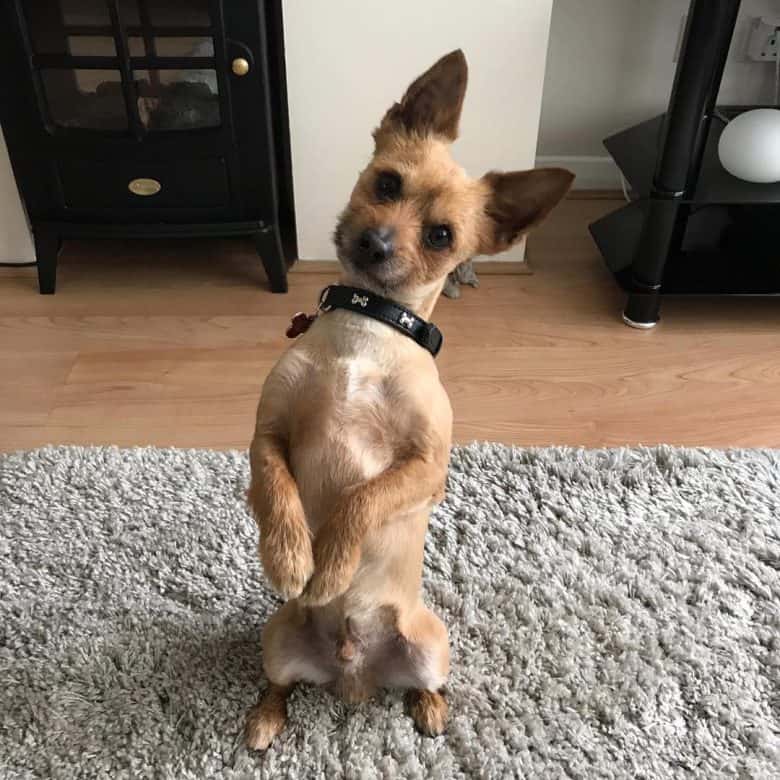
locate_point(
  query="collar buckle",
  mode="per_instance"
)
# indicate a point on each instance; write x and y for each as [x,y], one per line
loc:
[322,306]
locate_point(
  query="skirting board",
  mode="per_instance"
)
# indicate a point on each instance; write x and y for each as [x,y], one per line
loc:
[593,173]
[487,267]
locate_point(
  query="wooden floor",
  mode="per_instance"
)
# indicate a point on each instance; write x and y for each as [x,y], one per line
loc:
[168,344]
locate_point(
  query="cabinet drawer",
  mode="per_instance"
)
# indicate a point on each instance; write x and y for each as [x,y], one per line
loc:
[93,184]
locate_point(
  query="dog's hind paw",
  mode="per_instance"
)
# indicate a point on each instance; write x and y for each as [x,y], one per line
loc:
[429,711]
[266,721]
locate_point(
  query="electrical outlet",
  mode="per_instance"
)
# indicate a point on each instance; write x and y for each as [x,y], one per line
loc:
[764,40]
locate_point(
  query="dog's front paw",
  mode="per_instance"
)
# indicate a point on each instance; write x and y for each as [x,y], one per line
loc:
[335,564]
[287,559]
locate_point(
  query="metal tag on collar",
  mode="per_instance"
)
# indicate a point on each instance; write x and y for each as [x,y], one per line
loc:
[322,305]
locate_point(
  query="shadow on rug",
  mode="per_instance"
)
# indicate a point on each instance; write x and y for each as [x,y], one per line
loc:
[611,613]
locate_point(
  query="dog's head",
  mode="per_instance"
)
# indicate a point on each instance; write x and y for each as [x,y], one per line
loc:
[414,213]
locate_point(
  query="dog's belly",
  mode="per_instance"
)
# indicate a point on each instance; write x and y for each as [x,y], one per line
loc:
[324,468]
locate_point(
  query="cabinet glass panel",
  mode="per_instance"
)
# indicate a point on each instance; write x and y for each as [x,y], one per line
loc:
[80,12]
[136,46]
[173,13]
[184,46]
[53,26]
[178,99]
[85,98]
[129,14]
[91,46]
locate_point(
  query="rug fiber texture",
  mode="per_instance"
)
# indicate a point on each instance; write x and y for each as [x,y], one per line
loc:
[612,613]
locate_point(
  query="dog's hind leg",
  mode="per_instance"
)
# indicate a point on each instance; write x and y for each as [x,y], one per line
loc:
[290,655]
[419,661]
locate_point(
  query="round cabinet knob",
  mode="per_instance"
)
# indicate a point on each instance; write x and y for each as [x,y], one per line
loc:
[240,66]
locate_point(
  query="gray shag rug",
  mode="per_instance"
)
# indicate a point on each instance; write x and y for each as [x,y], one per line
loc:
[612,614]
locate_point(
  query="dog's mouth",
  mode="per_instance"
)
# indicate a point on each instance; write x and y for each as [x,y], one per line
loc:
[386,276]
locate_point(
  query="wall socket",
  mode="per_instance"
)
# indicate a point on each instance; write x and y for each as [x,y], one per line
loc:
[755,40]
[764,40]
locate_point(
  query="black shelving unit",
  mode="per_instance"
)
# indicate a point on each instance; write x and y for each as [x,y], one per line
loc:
[694,228]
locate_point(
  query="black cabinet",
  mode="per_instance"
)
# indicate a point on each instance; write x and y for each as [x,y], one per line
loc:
[143,118]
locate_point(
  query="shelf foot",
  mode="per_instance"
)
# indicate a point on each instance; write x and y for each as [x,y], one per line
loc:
[643,309]
[639,325]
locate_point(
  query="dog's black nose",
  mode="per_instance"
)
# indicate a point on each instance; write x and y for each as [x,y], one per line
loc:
[375,245]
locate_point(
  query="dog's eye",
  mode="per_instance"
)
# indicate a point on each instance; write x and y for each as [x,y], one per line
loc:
[438,236]
[388,186]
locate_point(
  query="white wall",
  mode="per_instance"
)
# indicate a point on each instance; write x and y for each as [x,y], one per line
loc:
[349,60]
[611,64]
[15,240]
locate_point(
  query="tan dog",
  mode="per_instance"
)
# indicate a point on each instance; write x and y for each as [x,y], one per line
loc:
[353,428]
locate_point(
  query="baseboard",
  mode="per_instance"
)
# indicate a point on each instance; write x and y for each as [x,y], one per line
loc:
[487,267]
[593,173]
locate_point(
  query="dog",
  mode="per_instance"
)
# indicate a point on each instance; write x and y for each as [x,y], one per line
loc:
[352,439]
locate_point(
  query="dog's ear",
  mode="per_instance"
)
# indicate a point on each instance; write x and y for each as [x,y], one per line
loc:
[517,202]
[433,102]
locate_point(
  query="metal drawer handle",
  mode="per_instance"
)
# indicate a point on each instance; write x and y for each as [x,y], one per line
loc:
[144,187]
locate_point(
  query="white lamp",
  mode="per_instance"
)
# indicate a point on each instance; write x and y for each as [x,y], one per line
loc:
[749,146]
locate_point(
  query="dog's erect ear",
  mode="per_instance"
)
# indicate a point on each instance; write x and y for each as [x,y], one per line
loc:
[518,202]
[433,102]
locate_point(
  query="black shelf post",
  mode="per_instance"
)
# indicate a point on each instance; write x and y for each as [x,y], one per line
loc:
[703,55]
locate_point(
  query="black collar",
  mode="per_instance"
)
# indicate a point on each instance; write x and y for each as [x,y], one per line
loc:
[338,296]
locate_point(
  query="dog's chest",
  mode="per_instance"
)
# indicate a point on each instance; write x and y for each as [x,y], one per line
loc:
[347,424]
[359,418]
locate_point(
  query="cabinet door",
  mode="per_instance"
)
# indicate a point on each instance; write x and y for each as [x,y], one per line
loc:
[246,40]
